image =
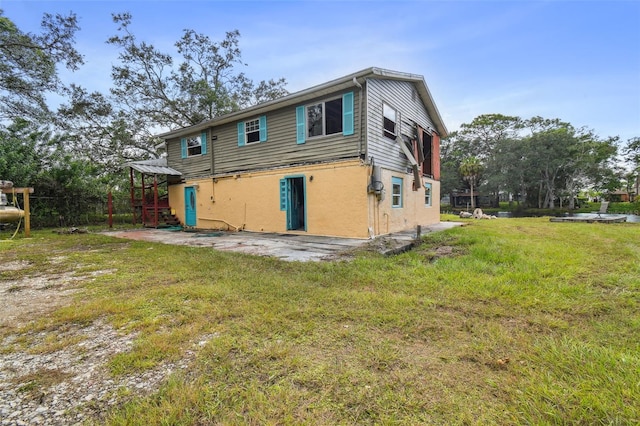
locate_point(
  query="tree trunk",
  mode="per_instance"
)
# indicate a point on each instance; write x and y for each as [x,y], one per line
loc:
[540,195]
[551,202]
[473,201]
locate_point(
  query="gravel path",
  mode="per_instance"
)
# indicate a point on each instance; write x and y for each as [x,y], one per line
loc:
[59,377]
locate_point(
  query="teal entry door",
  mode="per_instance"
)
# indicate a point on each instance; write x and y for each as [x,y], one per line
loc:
[292,199]
[190,206]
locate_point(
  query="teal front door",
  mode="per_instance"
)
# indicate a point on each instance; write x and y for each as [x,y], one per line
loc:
[296,214]
[190,206]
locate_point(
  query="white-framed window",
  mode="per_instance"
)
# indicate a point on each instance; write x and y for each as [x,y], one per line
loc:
[396,192]
[427,194]
[194,146]
[390,118]
[324,118]
[252,131]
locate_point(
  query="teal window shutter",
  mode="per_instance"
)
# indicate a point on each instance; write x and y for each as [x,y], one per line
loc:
[263,128]
[300,127]
[203,143]
[241,133]
[183,147]
[347,114]
[283,194]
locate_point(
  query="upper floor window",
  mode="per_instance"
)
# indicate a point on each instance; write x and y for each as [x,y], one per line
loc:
[390,117]
[194,145]
[329,117]
[324,118]
[252,131]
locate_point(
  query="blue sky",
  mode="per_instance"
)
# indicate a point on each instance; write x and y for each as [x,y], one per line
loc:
[574,60]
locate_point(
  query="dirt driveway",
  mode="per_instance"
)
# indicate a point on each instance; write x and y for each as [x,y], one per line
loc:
[289,247]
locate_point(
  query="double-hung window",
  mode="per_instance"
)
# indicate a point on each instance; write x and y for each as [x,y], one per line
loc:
[194,145]
[330,117]
[390,118]
[252,131]
[396,192]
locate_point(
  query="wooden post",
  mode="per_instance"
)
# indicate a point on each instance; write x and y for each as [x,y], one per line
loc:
[133,194]
[27,214]
[155,200]
[144,201]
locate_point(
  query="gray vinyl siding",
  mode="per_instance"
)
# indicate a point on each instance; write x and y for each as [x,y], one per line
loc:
[281,148]
[402,96]
[191,167]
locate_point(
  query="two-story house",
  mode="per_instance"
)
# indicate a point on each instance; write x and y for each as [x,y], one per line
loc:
[354,157]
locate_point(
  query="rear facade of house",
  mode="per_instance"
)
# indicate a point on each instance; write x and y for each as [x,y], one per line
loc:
[354,157]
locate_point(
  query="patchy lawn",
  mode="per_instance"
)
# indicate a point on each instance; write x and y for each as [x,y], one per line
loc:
[506,321]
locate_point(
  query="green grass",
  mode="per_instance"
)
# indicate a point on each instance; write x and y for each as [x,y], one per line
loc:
[584,207]
[522,321]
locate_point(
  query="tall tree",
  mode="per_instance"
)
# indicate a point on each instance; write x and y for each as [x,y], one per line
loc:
[452,152]
[485,131]
[97,130]
[154,92]
[482,139]
[542,159]
[205,84]
[21,157]
[551,156]
[28,64]
[632,152]
[470,170]
[567,159]
[65,185]
[513,167]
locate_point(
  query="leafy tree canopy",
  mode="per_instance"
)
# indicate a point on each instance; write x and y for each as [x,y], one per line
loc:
[154,91]
[28,64]
[538,159]
[205,83]
[632,151]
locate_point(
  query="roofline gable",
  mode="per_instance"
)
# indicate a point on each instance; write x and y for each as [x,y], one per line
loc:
[337,84]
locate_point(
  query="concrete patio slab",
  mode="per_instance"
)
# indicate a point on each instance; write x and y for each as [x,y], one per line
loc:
[289,247]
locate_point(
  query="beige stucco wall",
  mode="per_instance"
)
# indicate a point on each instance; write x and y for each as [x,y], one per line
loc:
[337,202]
[386,219]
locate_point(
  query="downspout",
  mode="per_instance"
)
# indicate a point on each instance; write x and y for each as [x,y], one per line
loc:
[363,147]
[364,154]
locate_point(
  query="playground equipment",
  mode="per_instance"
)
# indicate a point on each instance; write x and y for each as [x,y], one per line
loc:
[13,213]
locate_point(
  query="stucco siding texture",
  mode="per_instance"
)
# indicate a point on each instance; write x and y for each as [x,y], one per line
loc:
[336,200]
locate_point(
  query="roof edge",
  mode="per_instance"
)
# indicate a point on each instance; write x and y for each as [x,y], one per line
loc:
[337,83]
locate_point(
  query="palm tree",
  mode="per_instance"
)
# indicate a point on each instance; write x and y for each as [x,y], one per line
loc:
[470,169]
